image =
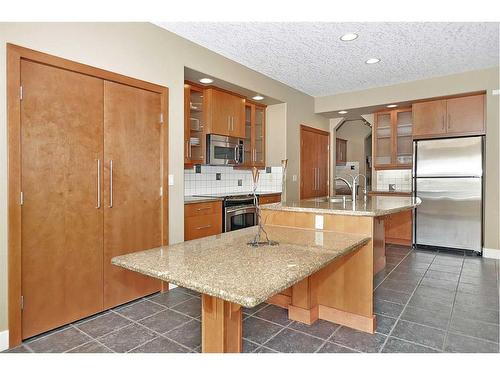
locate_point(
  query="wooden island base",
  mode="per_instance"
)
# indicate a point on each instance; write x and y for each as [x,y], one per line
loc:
[341,293]
[221,326]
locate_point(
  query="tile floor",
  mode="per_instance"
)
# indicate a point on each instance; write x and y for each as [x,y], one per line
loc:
[424,301]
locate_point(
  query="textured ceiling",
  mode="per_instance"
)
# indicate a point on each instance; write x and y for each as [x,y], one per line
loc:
[311,58]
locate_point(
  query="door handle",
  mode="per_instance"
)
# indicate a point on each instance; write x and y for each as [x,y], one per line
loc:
[204,227]
[449,121]
[111,184]
[98,184]
[319,180]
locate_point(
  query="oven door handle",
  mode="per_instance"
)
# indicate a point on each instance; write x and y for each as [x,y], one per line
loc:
[238,211]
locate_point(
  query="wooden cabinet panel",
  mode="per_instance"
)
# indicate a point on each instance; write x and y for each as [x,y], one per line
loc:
[429,118]
[200,209]
[237,117]
[341,151]
[314,156]
[449,117]
[465,115]
[225,113]
[398,228]
[132,214]
[265,199]
[202,219]
[61,223]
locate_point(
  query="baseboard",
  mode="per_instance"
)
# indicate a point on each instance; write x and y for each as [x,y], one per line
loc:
[4,340]
[491,253]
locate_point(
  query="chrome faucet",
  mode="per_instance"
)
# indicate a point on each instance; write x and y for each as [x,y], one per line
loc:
[351,186]
[354,182]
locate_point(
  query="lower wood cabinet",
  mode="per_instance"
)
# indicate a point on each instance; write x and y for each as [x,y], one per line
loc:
[202,219]
[398,228]
[272,198]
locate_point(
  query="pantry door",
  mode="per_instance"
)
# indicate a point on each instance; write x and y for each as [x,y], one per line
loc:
[61,219]
[132,181]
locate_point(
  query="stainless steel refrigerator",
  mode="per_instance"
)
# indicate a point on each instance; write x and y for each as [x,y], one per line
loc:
[448,177]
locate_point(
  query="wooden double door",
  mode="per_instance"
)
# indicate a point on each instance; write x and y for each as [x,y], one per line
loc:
[314,157]
[90,181]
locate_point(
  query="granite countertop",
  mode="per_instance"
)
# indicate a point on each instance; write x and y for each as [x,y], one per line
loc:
[374,206]
[194,199]
[220,196]
[226,267]
[387,192]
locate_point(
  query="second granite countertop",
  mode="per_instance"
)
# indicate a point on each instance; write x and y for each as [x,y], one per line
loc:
[224,266]
[373,206]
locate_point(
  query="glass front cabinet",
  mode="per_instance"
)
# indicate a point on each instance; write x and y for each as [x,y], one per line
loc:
[392,139]
[254,141]
[194,126]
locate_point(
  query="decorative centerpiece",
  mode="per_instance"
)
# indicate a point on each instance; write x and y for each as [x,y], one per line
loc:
[261,232]
[283,180]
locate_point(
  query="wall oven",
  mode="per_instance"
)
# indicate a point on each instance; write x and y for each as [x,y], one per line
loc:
[239,212]
[224,150]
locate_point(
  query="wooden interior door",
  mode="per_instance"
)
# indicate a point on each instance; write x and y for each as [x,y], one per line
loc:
[61,222]
[132,202]
[314,155]
[307,165]
[465,115]
[429,118]
[322,187]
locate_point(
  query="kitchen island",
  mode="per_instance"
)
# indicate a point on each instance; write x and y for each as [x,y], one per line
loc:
[230,274]
[362,217]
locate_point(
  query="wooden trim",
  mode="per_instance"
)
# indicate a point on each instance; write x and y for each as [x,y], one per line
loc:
[14,189]
[398,241]
[306,316]
[257,104]
[314,130]
[392,166]
[361,323]
[221,326]
[280,300]
[15,54]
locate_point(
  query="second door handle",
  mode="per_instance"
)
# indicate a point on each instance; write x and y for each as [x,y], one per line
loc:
[111,184]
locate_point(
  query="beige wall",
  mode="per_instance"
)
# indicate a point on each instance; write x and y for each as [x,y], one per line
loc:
[275,134]
[152,54]
[355,132]
[487,79]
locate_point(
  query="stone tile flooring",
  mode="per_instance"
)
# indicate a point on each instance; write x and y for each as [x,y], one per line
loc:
[425,301]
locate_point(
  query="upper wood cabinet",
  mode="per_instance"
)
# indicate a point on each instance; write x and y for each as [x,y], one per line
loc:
[194,126]
[449,117]
[392,139]
[225,113]
[340,151]
[254,141]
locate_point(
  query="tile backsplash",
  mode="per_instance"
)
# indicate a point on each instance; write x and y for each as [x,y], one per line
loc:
[399,177]
[231,180]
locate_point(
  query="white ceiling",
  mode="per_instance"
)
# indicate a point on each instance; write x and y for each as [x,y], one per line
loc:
[311,58]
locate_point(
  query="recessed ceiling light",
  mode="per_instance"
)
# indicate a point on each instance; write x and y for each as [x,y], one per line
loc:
[342,112]
[349,37]
[206,80]
[258,97]
[392,105]
[372,61]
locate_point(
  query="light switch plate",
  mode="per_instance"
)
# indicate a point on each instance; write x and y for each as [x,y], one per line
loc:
[294,178]
[496,92]
[170,180]
[318,222]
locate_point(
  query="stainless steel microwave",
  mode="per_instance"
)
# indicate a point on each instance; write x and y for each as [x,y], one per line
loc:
[222,150]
